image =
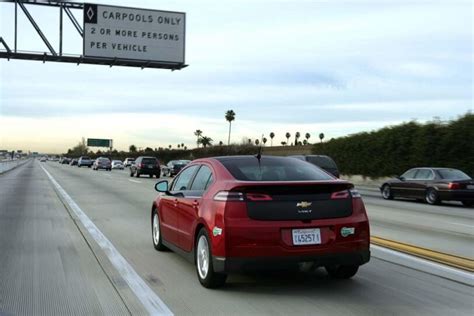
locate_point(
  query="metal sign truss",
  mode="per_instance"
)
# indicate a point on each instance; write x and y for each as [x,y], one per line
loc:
[57,56]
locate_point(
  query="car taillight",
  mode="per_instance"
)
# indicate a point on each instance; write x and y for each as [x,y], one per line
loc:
[340,195]
[227,196]
[141,165]
[355,194]
[454,186]
[258,197]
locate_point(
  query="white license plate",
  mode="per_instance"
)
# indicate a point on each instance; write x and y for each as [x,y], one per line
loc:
[308,236]
[150,166]
[470,187]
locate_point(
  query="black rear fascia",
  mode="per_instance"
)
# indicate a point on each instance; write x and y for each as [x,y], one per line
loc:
[288,202]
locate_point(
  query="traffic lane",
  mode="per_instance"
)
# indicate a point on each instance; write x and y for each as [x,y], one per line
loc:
[122,212]
[46,266]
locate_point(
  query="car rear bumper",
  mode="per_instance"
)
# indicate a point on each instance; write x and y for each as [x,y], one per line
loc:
[149,171]
[457,195]
[232,264]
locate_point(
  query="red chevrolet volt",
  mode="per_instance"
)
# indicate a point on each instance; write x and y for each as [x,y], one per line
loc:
[234,213]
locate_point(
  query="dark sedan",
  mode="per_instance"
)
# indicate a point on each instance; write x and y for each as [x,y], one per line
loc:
[432,185]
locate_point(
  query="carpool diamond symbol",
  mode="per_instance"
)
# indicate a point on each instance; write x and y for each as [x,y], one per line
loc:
[90,13]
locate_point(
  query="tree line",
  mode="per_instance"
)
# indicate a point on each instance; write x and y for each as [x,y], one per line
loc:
[395,149]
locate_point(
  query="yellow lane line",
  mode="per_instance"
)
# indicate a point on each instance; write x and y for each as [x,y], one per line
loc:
[444,258]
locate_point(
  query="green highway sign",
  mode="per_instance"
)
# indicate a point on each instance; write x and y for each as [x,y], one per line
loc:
[97,142]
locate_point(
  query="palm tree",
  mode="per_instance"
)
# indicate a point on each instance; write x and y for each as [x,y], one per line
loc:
[198,133]
[250,141]
[221,143]
[182,145]
[132,148]
[305,142]
[321,137]
[229,116]
[283,143]
[288,135]
[297,136]
[257,142]
[271,138]
[206,141]
[264,141]
[179,146]
[169,146]
[307,136]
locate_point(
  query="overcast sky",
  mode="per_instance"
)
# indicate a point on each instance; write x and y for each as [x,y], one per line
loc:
[337,67]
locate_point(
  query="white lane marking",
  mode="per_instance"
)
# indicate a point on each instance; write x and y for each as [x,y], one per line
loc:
[152,303]
[135,181]
[423,265]
[470,226]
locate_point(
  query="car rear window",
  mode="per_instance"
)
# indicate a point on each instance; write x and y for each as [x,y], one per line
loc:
[104,160]
[150,161]
[86,158]
[452,174]
[323,162]
[272,169]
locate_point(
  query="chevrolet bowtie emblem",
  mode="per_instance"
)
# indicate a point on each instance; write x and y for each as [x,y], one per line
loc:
[304,204]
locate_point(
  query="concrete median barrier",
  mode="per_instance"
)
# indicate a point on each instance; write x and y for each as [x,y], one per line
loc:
[7,165]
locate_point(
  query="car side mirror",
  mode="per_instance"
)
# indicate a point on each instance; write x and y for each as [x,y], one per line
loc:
[401,178]
[162,186]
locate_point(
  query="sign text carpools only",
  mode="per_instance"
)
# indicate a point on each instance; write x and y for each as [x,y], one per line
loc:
[129,33]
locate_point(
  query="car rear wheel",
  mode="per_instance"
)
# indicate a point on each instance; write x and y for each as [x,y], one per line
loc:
[137,175]
[342,271]
[432,197]
[468,203]
[205,271]
[131,173]
[387,192]
[156,233]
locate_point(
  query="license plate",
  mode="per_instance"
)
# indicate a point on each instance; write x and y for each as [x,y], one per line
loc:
[150,166]
[309,236]
[470,187]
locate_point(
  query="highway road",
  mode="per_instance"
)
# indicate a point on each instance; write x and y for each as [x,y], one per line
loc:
[91,253]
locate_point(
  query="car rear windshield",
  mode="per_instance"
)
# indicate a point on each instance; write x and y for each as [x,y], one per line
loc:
[150,161]
[86,158]
[452,174]
[104,159]
[272,169]
[323,162]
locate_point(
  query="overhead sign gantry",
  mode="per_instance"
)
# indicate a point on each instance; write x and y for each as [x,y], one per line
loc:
[111,35]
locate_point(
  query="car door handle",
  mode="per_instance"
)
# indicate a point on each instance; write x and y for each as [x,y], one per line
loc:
[175,202]
[195,204]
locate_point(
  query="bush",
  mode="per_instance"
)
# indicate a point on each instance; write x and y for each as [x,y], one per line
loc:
[392,150]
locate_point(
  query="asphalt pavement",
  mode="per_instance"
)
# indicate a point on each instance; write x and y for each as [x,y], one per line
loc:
[51,264]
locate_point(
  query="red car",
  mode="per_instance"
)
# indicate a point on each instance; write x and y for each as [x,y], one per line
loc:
[236,213]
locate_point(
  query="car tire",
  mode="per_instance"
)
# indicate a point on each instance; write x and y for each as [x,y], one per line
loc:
[204,269]
[432,196]
[468,203]
[156,232]
[150,175]
[131,173]
[387,192]
[342,271]
[137,175]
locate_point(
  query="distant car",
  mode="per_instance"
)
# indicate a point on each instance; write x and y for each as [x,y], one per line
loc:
[65,161]
[432,185]
[145,165]
[227,214]
[128,162]
[84,161]
[43,159]
[117,164]
[102,163]
[73,162]
[322,161]
[173,167]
